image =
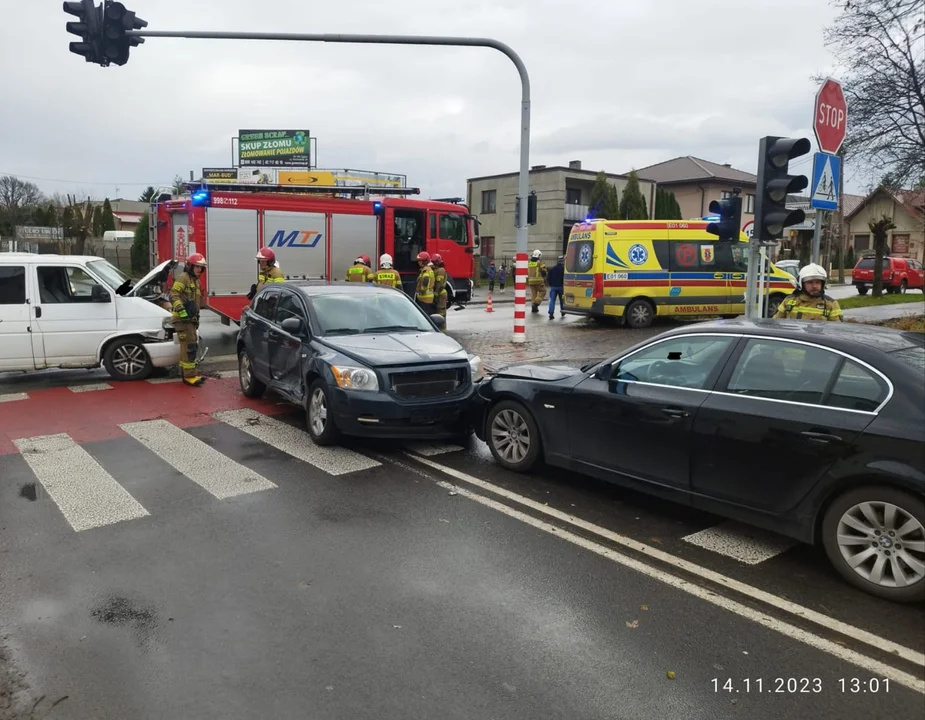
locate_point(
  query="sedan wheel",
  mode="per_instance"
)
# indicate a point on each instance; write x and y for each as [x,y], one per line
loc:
[875,537]
[513,437]
[321,425]
[250,385]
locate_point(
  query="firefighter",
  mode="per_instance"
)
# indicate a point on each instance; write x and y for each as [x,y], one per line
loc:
[185,298]
[424,293]
[440,293]
[361,270]
[386,276]
[809,301]
[536,279]
[267,271]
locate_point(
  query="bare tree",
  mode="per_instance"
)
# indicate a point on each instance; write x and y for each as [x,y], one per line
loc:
[880,49]
[80,222]
[179,186]
[879,229]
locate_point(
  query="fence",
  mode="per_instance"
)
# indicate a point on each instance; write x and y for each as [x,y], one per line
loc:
[119,253]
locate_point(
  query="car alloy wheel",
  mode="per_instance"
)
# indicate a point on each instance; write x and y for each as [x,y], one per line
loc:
[250,385]
[511,437]
[883,543]
[317,412]
[129,359]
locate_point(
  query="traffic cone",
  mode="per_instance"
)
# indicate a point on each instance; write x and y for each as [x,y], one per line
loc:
[488,307]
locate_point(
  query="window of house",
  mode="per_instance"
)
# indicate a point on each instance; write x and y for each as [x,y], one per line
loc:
[573,196]
[13,285]
[861,242]
[488,247]
[750,204]
[489,201]
[726,194]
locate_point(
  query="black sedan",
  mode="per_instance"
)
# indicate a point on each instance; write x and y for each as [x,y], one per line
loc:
[812,430]
[361,359]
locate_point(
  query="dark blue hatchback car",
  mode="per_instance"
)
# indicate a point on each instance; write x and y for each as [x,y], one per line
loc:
[361,359]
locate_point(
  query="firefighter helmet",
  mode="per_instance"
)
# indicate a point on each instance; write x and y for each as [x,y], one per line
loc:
[437,258]
[364,260]
[537,254]
[424,257]
[197,259]
[266,254]
[812,272]
[385,261]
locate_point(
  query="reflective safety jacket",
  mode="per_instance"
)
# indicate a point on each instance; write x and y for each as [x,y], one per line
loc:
[425,287]
[439,280]
[185,298]
[359,273]
[271,275]
[388,278]
[536,272]
[800,306]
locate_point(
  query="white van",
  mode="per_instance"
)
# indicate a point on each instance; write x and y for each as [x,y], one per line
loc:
[76,311]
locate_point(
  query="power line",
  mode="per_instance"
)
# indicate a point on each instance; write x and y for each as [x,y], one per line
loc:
[83,182]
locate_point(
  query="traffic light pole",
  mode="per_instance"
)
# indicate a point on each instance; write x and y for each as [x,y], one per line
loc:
[817,236]
[751,278]
[520,287]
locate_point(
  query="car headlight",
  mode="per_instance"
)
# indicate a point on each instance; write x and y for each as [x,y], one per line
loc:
[167,324]
[355,378]
[475,366]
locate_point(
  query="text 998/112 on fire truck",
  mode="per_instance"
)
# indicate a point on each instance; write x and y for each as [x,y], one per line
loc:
[315,232]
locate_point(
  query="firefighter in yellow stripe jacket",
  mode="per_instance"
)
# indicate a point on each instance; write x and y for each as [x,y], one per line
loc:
[186,301]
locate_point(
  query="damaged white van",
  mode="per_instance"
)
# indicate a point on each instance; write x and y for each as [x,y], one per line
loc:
[77,311]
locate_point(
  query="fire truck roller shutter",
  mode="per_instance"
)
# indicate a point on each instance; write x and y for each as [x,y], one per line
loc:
[299,241]
[231,241]
[352,236]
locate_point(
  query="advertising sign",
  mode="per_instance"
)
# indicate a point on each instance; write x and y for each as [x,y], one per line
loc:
[322,178]
[29,232]
[239,176]
[273,148]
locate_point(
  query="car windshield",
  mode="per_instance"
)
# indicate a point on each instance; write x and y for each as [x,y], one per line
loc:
[914,356]
[358,314]
[114,277]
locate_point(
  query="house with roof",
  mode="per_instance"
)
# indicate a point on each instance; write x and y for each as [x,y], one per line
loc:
[696,182]
[906,208]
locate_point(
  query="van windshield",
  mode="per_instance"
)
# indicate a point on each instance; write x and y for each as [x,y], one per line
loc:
[113,277]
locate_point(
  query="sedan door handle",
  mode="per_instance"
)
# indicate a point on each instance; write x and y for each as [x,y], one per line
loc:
[820,437]
[675,413]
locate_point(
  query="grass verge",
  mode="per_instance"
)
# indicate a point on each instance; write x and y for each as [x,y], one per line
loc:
[869,301]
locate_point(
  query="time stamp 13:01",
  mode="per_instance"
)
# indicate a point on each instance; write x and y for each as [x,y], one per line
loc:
[796,686]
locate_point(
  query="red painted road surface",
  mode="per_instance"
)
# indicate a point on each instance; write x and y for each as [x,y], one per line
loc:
[97,414]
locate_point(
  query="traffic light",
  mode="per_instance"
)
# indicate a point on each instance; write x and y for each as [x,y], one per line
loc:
[774,184]
[729,212]
[116,44]
[531,210]
[88,28]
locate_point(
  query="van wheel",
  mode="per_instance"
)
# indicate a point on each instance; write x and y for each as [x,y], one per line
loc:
[126,359]
[639,314]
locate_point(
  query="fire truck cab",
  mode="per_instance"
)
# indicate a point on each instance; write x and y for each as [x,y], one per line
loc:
[316,233]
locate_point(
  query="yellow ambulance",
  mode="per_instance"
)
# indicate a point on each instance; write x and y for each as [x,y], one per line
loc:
[640,269]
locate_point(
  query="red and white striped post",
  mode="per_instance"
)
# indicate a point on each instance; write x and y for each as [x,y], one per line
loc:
[520,298]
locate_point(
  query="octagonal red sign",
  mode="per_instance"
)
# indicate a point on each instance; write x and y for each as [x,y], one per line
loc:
[831,116]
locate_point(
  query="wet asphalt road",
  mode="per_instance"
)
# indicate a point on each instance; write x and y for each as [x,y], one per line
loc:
[407,590]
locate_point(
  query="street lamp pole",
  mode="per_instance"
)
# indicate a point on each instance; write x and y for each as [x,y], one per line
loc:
[520,276]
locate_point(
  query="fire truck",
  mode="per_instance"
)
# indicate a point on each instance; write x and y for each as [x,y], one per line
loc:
[316,233]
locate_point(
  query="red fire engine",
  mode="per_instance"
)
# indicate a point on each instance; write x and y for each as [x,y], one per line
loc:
[316,233]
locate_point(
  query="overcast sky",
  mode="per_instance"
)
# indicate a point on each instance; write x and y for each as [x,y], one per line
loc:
[616,84]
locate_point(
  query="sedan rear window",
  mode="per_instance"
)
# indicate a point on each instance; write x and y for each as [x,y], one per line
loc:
[912,356]
[363,314]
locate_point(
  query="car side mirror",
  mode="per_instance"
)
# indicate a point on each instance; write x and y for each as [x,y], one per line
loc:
[100,294]
[605,372]
[438,321]
[292,325]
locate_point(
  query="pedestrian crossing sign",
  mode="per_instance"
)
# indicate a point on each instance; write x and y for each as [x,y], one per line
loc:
[824,190]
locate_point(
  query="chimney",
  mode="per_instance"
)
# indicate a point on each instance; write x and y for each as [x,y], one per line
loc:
[727,165]
[574,165]
[538,167]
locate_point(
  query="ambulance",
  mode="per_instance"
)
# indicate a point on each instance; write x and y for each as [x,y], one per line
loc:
[637,270]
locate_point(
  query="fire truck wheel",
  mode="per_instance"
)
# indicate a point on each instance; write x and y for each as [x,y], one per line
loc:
[127,359]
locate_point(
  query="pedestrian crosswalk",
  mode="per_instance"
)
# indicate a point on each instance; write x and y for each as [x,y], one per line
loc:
[89,496]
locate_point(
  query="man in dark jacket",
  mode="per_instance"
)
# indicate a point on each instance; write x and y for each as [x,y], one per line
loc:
[556,279]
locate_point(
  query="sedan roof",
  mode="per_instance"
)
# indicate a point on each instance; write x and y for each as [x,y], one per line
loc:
[314,288]
[840,335]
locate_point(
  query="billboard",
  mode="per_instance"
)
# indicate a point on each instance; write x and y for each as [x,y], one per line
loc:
[239,176]
[274,148]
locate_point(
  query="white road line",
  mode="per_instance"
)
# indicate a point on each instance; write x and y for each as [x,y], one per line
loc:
[161,381]
[214,472]
[429,450]
[740,542]
[793,608]
[90,387]
[296,442]
[13,397]
[87,495]
[792,631]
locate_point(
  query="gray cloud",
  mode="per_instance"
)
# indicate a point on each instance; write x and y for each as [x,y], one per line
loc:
[646,82]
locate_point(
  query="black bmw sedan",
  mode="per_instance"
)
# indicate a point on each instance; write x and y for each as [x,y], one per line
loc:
[812,430]
[361,359]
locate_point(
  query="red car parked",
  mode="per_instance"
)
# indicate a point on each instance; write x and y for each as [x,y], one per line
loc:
[899,274]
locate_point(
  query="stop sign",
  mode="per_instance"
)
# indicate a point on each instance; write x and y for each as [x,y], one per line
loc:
[831,116]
